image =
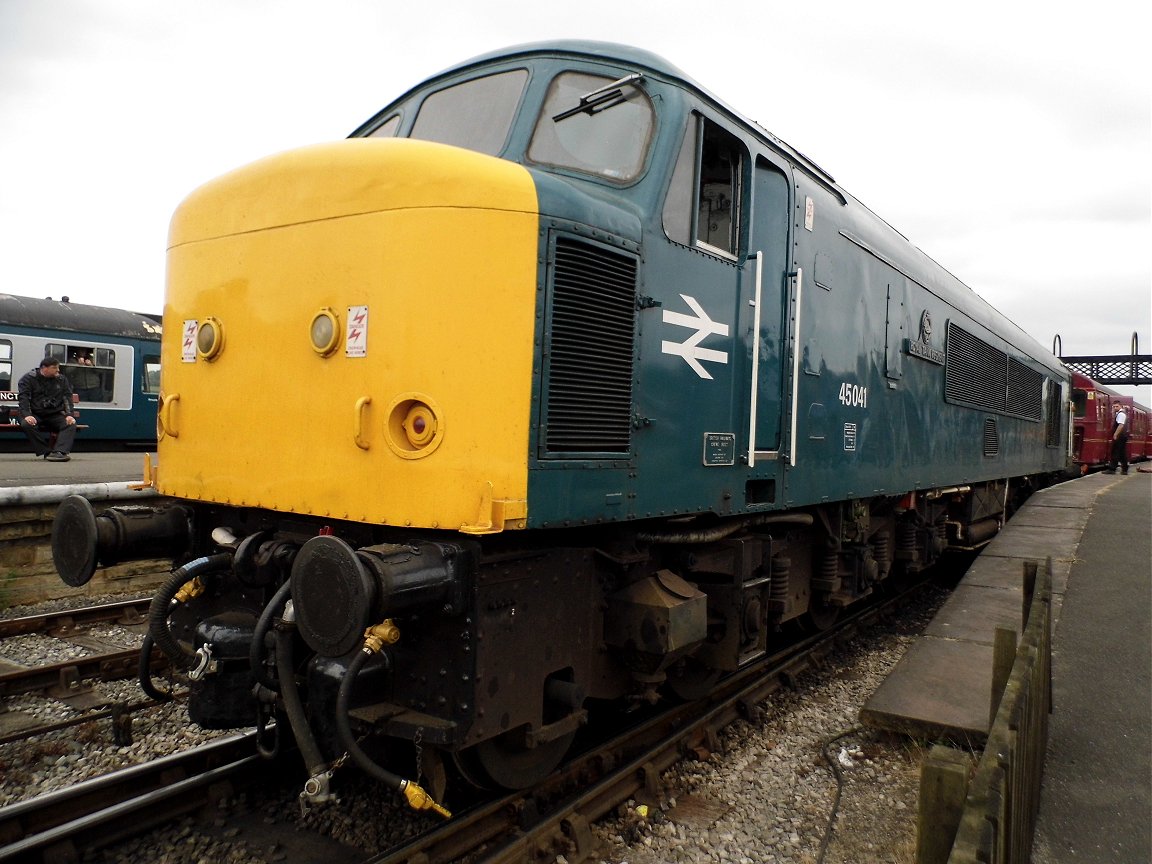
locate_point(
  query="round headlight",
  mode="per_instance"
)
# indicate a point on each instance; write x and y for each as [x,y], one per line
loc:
[324,332]
[209,338]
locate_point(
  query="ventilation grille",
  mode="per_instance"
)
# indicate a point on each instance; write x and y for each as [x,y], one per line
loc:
[981,376]
[1052,437]
[591,347]
[991,437]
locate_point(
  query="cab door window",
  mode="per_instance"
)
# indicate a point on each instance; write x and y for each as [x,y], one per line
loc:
[704,199]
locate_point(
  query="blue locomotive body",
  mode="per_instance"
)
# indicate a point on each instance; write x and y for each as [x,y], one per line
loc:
[722,328]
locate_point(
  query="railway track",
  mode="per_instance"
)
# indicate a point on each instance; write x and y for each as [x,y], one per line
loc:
[91,658]
[58,826]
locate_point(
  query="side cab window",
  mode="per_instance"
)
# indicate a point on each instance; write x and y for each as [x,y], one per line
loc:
[704,198]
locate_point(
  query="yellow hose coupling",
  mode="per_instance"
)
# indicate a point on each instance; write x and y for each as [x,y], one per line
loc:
[189,590]
[379,635]
[418,799]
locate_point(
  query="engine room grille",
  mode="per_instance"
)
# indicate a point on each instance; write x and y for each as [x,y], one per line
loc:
[590,350]
[982,376]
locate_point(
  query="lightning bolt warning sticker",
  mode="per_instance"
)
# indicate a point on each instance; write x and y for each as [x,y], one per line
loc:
[356,338]
[188,343]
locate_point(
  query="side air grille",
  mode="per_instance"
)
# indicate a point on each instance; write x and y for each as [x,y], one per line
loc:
[590,351]
[982,376]
[1025,391]
[1052,435]
[991,437]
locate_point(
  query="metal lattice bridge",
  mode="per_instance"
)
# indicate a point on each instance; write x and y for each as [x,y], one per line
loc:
[1134,368]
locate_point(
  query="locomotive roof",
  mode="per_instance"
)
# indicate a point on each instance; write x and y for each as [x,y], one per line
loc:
[62,314]
[629,56]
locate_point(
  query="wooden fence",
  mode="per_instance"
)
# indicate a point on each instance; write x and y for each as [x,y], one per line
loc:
[991,818]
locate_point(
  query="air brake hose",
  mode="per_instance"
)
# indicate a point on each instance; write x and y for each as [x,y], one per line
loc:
[145,672]
[416,797]
[294,707]
[263,625]
[159,609]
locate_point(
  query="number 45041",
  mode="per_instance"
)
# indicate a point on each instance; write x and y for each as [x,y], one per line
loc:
[853,395]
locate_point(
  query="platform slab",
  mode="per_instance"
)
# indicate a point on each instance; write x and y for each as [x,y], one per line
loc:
[973,613]
[940,690]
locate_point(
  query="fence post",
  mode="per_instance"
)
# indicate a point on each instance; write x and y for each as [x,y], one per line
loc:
[1003,656]
[943,787]
[1030,570]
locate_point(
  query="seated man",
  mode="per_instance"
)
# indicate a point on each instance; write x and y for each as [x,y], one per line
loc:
[46,407]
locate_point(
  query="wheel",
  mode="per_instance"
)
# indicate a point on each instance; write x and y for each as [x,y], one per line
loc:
[820,616]
[434,773]
[505,762]
[691,680]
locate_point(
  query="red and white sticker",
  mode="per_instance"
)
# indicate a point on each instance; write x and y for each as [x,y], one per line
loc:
[356,337]
[188,343]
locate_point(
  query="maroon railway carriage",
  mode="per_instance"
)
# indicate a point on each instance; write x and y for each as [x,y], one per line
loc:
[1092,406]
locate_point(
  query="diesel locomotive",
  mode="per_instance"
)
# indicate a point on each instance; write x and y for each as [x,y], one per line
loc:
[557,387]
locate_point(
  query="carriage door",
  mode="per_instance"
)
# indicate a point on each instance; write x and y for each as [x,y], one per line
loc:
[767,268]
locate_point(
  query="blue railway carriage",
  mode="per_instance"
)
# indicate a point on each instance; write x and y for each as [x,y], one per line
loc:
[110,356]
[616,387]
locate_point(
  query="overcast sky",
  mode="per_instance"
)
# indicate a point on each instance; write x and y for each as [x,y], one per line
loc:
[1009,140]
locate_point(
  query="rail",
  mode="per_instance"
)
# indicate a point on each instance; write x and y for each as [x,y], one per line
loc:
[991,818]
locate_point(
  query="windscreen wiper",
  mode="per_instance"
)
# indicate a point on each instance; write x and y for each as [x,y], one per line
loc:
[600,99]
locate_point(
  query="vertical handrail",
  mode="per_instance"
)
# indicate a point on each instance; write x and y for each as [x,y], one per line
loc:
[795,367]
[755,362]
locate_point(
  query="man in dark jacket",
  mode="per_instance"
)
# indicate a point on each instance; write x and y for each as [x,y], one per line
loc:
[46,407]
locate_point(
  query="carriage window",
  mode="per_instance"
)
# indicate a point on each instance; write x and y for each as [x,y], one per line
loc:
[594,124]
[5,365]
[705,189]
[476,114]
[1079,402]
[55,349]
[151,374]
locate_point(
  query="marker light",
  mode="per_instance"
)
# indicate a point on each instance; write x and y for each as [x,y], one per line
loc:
[209,338]
[324,332]
[419,426]
[415,426]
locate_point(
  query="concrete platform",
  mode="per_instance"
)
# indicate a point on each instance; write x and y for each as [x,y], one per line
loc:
[941,689]
[23,469]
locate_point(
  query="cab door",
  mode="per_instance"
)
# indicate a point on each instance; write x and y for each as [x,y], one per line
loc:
[766,272]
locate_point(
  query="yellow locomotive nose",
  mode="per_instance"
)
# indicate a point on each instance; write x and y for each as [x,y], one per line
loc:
[369,309]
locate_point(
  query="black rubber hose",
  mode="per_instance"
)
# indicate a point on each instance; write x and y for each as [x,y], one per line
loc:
[162,601]
[294,707]
[145,672]
[344,725]
[263,625]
